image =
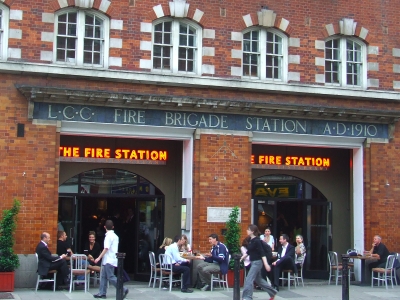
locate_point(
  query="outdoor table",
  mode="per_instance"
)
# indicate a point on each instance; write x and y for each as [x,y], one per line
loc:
[363,258]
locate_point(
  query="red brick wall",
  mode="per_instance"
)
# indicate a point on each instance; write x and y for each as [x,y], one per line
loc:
[222,178]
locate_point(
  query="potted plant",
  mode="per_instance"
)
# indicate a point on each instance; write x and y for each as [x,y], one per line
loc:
[232,241]
[8,259]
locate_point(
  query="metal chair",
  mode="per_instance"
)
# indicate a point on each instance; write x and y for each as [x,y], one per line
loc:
[351,263]
[39,280]
[384,274]
[291,276]
[220,279]
[154,269]
[166,273]
[334,266]
[300,276]
[79,267]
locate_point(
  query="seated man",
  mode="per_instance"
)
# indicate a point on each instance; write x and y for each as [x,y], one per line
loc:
[214,262]
[63,246]
[380,252]
[179,264]
[285,261]
[48,262]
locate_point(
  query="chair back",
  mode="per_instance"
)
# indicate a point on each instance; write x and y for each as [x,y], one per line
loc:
[78,262]
[165,262]
[333,259]
[152,259]
[390,262]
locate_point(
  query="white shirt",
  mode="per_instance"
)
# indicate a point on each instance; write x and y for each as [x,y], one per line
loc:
[111,243]
[173,251]
[283,250]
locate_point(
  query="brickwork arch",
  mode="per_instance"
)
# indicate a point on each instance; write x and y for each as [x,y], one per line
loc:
[103,6]
[347,27]
[266,18]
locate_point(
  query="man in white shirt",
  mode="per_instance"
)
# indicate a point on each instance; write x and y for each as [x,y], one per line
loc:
[179,264]
[285,261]
[109,261]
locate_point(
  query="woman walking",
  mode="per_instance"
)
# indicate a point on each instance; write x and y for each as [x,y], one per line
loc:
[258,260]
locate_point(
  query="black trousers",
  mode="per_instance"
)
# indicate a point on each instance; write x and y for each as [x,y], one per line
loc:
[62,271]
[185,271]
[277,270]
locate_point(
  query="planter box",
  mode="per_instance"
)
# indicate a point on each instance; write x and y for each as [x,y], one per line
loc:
[231,278]
[7,281]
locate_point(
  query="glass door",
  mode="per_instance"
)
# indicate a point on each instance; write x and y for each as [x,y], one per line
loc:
[69,215]
[149,233]
[319,239]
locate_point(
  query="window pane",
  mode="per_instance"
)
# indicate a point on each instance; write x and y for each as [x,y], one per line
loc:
[167,38]
[182,40]
[158,37]
[156,63]
[62,28]
[89,19]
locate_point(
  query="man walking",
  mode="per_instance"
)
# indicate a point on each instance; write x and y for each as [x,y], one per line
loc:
[214,262]
[109,261]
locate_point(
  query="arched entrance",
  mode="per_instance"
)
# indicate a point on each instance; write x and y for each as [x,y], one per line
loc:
[290,205]
[135,205]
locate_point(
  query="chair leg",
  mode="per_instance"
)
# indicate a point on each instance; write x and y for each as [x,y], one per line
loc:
[330,276]
[288,283]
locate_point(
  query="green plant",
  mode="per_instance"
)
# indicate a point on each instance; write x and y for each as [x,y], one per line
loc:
[8,259]
[232,236]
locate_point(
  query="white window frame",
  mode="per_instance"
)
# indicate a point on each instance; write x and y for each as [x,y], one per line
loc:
[262,37]
[80,38]
[174,64]
[5,20]
[343,62]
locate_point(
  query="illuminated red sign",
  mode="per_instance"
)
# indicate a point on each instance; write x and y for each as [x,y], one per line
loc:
[132,154]
[301,161]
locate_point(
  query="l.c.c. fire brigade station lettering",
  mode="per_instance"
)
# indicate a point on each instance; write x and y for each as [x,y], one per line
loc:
[272,124]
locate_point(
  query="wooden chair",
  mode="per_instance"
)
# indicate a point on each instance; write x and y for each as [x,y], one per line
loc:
[166,273]
[79,267]
[385,274]
[40,280]
[154,269]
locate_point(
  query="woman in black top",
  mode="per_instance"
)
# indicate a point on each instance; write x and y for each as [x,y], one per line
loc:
[93,251]
[258,260]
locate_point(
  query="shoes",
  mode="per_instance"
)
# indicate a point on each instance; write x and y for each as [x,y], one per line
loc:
[206,287]
[100,296]
[276,288]
[186,291]
[125,293]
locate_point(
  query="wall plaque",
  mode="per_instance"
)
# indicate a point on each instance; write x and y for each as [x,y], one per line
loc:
[220,214]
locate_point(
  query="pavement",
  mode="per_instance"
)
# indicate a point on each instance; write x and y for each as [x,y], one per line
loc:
[313,289]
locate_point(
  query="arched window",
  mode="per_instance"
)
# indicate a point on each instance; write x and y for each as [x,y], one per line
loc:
[4,20]
[176,45]
[345,62]
[81,38]
[264,54]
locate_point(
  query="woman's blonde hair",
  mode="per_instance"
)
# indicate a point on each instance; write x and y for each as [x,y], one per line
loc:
[166,242]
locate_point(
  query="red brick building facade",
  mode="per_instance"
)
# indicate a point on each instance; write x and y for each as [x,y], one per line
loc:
[230,80]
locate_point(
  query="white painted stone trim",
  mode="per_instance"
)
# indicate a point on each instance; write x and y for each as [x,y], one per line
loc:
[266,17]
[294,42]
[320,61]
[115,43]
[373,50]
[47,37]
[396,84]
[320,78]
[16,14]
[63,3]
[372,66]
[330,29]
[247,20]
[208,69]
[145,46]
[115,61]
[347,26]
[117,24]
[396,52]
[236,36]
[146,27]
[179,9]
[209,34]
[84,3]
[284,24]
[46,55]
[14,53]
[145,64]
[48,18]
[320,45]
[373,82]
[208,51]
[294,76]
[104,5]
[396,68]
[363,33]
[294,59]
[198,14]
[236,71]
[158,10]
[15,33]
[236,53]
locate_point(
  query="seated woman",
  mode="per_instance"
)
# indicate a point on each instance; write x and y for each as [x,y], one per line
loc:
[186,246]
[161,250]
[93,251]
[300,250]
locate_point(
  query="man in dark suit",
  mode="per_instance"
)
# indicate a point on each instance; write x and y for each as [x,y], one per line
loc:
[285,261]
[48,262]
